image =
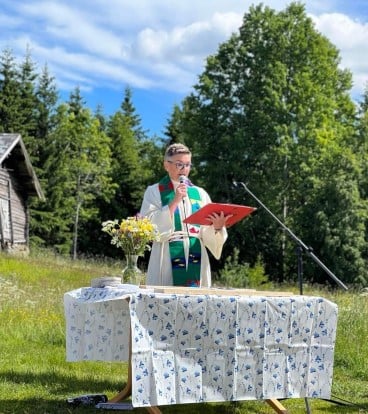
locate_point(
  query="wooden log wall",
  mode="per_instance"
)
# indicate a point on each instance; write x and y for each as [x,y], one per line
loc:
[12,193]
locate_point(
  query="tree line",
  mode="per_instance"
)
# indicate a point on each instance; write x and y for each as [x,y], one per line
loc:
[272,109]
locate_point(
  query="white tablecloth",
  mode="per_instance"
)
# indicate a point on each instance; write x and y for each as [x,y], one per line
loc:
[201,348]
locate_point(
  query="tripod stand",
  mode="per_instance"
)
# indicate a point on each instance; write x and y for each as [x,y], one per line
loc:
[301,248]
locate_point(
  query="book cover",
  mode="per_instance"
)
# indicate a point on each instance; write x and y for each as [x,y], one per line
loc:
[236,211]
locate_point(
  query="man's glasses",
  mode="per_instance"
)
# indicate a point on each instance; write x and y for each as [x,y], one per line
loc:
[180,165]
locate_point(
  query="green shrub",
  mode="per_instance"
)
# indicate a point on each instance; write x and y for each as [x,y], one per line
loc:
[242,275]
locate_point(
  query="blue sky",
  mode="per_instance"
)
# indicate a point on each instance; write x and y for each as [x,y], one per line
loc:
[156,47]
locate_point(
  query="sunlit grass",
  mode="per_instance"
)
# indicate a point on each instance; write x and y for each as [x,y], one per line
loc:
[35,378]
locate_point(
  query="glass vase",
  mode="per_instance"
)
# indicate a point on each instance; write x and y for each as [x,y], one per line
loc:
[131,273]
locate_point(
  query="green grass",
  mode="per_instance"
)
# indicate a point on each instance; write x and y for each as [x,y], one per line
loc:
[35,378]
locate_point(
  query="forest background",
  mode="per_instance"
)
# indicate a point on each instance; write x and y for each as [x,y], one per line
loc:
[271,109]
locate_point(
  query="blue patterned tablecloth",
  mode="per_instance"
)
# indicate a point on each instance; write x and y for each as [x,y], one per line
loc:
[202,348]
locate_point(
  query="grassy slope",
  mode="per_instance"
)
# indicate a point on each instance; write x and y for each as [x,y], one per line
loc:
[35,378]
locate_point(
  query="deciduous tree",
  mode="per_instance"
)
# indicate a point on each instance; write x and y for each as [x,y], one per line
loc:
[270,109]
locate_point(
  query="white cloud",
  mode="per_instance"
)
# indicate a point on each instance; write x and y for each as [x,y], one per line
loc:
[87,70]
[150,44]
[180,53]
[169,58]
[66,25]
[350,36]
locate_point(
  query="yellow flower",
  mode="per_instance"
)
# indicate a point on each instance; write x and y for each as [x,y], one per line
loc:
[132,234]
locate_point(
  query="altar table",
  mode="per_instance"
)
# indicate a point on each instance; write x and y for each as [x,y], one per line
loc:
[189,348]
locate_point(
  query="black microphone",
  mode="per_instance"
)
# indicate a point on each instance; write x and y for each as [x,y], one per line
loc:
[237,184]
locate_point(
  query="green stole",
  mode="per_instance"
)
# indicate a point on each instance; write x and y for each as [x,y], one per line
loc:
[183,275]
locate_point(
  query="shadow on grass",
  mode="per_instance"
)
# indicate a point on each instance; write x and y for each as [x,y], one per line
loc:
[55,406]
[52,389]
[59,384]
[60,387]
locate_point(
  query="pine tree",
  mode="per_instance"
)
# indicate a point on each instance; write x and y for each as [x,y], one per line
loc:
[28,113]
[126,170]
[10,94]
[78,171]
[174,129]
[47,98]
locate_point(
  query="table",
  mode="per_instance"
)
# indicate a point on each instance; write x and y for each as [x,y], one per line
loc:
[190,348]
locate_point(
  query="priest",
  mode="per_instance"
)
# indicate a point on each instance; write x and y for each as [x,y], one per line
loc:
[180,257]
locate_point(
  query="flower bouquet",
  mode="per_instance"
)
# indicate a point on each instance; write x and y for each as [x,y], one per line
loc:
[133,235]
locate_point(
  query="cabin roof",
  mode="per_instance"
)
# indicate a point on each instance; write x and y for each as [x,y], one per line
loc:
[12,146]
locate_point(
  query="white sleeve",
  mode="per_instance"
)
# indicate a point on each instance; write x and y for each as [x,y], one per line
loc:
[158,214]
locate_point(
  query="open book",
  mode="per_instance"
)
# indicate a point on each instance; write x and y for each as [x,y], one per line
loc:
[236,211]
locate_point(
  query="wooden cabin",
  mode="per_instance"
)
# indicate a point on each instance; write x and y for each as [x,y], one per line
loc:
[18,182]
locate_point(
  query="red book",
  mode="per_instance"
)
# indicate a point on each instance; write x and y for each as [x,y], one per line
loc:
[236,211]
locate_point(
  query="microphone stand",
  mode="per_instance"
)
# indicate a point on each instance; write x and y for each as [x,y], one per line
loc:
[301,247]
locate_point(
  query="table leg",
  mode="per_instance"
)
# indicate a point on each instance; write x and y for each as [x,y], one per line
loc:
[127,390]
[153,410]
[123,394]
[277,406]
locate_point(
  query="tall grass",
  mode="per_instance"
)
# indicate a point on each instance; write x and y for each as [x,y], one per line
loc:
[35,378]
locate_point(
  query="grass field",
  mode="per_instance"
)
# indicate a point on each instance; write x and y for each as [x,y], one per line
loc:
[35,378]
